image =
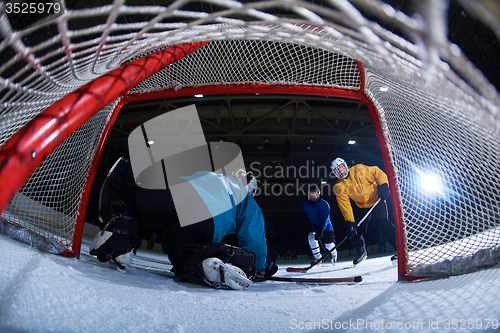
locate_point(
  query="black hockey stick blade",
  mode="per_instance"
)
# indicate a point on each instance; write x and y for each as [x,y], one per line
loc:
[312,280]
[305,269]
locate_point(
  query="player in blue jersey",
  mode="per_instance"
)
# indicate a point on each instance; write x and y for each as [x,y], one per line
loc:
[316,213]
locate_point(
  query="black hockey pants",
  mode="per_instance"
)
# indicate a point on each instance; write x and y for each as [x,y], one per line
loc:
[381,221]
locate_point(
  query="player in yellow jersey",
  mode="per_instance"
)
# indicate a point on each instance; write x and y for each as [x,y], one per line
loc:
[363,185]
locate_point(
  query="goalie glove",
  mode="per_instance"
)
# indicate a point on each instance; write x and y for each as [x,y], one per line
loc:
[383,191]
[248,179]
[272,267]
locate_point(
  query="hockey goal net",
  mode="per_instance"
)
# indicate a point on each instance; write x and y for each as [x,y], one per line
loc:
[64,80]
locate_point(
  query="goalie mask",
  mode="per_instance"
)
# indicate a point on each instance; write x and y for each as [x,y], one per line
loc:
[339,168]
[248,179]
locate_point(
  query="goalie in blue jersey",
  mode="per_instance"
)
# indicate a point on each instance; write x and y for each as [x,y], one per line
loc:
[219,205]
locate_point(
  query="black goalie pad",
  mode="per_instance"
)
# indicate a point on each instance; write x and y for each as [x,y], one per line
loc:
[150,208]
[116,212]
[117,190]
[123,239]
[155,209]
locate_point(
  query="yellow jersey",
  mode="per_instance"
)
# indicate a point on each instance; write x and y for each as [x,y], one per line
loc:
[360,186]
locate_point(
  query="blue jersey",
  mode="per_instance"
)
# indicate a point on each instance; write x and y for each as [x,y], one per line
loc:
[319,215]
[234,211]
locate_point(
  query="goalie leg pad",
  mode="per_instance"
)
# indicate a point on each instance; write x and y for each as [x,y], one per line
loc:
[221,274]
[191,270]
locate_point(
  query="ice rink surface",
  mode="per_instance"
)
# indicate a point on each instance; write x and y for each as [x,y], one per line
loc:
[42,292]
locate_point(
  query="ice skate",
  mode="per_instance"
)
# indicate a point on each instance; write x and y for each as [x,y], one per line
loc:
[359,259]
[333,257]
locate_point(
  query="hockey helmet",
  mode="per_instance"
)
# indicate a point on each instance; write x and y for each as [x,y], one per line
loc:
[314,193]
[339,168]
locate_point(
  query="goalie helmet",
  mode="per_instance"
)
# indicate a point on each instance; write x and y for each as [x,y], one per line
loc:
[339,168]
[248,179]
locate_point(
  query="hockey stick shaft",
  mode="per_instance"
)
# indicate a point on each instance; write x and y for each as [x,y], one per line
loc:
[305,269]
[320,242]
[313,280]
[323,247]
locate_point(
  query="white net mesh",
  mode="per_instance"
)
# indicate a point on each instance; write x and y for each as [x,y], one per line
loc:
[49,202]
[256,62]
[428,136]
[436,110]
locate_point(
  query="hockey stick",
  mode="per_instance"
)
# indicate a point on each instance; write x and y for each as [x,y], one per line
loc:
[324,249]
[305,269]
[312,280]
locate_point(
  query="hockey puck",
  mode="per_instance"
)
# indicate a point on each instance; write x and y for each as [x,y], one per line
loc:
[358,278]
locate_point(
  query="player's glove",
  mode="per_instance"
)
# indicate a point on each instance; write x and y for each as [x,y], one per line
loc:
[319,233]
[383,191]
[350,229]
[271,269]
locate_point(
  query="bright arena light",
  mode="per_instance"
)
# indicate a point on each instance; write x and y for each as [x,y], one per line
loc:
[430,183]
